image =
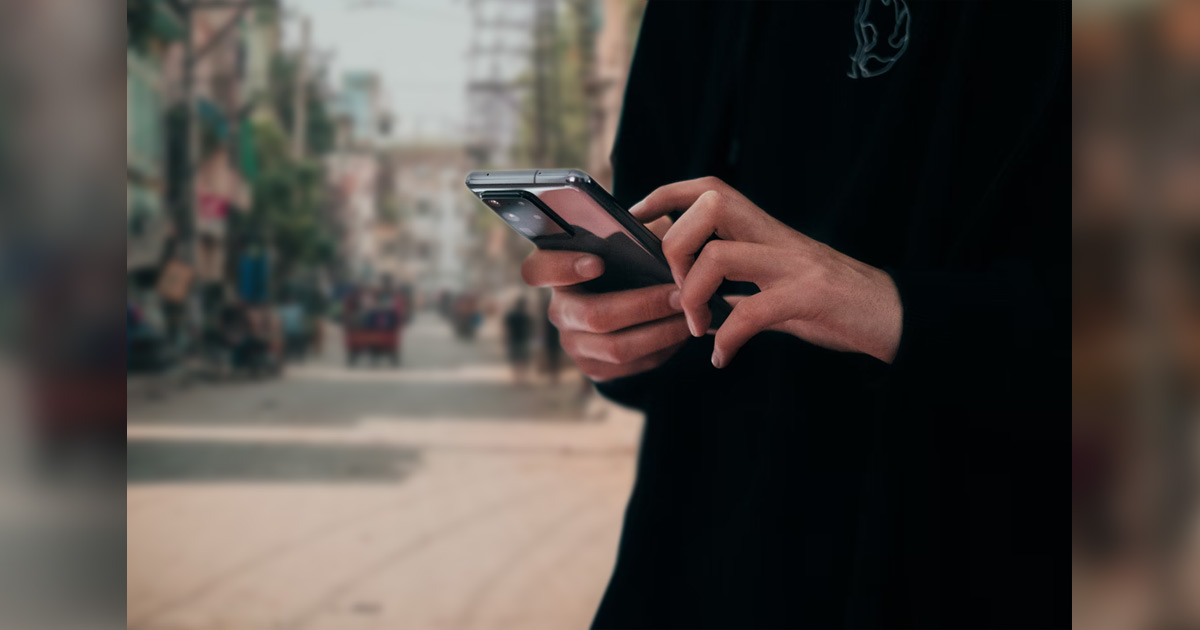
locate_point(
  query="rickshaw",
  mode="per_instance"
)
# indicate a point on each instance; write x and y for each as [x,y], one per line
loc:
[373,332]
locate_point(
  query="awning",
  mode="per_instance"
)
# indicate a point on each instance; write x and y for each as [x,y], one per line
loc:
[166,23]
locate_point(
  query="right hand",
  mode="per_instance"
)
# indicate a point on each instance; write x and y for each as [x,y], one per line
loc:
[609,335]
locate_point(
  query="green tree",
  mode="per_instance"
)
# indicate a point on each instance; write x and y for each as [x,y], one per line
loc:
[289,196]
[320,128]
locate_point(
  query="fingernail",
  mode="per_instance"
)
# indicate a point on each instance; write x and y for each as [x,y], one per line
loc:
[636,208]
[717,360]
[678,279]
[588,266]
[674,301]
[691,324]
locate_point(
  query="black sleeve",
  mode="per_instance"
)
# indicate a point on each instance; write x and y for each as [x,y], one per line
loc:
[988,332]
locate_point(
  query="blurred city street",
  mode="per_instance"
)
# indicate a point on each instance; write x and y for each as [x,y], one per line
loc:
[434,495]
[295,175]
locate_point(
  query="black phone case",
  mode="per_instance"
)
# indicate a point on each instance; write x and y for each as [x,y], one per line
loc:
[628,264]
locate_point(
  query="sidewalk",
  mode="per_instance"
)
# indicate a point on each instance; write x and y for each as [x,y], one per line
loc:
[435,496]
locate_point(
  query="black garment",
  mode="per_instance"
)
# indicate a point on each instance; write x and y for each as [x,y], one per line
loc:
[801,487]
[518,330]
[552,344]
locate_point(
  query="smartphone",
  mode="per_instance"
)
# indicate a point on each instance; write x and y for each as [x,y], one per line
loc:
[565,209]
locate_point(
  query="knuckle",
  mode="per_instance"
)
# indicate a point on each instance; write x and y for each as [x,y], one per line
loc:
[712,200]
[594,375]
[555,312]
[598,372]
[613,351]
[713,181]
[656,194]
[670,246]
[719,205]
[593,319]
[809,254]
[570,344]
[752,312]
[692,300]
[675,251]
[716,251]
[818,275]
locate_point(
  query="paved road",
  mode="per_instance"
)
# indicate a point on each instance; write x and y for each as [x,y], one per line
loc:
[434,496]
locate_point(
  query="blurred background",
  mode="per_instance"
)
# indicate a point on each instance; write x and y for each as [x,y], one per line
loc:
[340,412]
[1136,314]
[344,407]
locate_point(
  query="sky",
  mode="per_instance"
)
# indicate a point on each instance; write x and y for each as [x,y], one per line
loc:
[418,47]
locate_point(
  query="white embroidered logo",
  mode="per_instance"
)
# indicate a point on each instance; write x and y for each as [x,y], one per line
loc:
[871,59]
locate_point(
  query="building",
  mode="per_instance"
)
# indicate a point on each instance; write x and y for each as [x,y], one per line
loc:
[154,28]
[426,238]
[352,178]
[362,103]
[222,141]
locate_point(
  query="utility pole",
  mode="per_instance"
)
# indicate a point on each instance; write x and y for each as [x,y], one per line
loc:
[543,43]
[492,98]
[300,95]
[592,88]
[185,214]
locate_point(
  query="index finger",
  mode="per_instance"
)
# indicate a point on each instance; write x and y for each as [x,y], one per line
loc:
[556,268]
[677,196]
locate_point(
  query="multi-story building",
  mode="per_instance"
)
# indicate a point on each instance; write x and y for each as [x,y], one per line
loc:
[147,213]
[426,239]
[218,95]
[352,175]
[362,103]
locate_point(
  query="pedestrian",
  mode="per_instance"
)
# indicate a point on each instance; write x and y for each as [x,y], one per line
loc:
[295,329]
[518,333]
[876,436]
[551,347]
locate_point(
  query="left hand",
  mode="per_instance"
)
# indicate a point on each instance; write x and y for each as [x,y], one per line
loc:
[806,288]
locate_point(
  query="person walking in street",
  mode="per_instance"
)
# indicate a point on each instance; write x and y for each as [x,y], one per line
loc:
[518,334]
[295,329]
[878,435]
[551,346]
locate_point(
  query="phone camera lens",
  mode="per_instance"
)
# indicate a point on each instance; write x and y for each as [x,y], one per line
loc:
[493,203]
[512,216]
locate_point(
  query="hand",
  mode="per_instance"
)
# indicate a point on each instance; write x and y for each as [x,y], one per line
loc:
[609,335]
[806,288]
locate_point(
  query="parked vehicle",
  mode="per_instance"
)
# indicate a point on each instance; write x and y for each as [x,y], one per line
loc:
[373,326]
